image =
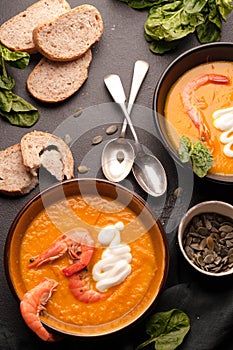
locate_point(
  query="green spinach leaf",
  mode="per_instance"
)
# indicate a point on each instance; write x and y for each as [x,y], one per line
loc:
[7,83]
[141,4]
[16,59]
[170,21]
[167,329]
[194,6]
[208,32]
[162,46]
[199,155]
[224,7]
[12,107]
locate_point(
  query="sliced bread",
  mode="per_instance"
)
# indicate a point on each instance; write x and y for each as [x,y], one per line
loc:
[52,81]
[14,177]
[36,143]
[70,35]
[16,33]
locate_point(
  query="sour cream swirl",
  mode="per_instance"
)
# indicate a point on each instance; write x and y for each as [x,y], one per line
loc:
[114,266]
[223,120]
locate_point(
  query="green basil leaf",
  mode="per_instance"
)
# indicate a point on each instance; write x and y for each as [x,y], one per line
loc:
[202,159]
[15,58]
[167,329]
[184,149]
[24,119]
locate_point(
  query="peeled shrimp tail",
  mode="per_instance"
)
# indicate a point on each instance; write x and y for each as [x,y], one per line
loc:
[33,303]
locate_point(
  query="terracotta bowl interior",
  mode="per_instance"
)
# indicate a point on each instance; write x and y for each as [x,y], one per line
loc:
[201,208]
[191,58]
[56,193]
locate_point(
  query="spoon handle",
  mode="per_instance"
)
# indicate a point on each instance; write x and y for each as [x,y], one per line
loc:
[139,73]
[115,87]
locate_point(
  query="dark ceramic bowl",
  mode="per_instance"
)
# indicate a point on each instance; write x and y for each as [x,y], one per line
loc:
[221,51]
[201,259]
[97,188]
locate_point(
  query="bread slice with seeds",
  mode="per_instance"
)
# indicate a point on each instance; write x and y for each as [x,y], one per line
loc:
[52,81]
[16,33]
[36,147]
[70,35]
[15,179]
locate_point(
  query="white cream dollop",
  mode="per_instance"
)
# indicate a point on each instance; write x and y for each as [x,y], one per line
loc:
[223,120]
[114,266]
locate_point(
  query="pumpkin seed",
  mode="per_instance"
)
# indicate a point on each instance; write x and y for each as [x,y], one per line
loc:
[208,242]
[111,129]
[97,139]
[82,169]
[178,192]
[226,228]
[67,139]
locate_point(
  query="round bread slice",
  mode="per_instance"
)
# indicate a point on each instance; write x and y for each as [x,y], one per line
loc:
[15,179]
[52,81]
[70,35]
[16,33]
[37,143]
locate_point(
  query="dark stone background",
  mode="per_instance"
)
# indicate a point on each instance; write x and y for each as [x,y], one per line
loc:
[208,302]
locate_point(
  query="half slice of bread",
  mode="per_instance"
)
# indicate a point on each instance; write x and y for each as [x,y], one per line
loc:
[70,35]
[52,81]
[37,143]
[14,177]
[16,33]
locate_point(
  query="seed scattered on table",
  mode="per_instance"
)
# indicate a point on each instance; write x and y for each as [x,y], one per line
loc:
[111,129]
[97,139]
[208,242]
[82,169]
[67,139]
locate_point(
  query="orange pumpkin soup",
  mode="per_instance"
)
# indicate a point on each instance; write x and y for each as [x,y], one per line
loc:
[121,302]
[210,90]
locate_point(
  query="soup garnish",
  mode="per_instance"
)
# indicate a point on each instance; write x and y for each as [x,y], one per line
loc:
[192,110]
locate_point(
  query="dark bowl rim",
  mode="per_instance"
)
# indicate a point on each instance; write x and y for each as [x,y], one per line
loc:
[37,196]
[228,179]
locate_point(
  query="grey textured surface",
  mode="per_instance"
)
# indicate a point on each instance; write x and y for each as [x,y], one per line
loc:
[121,45]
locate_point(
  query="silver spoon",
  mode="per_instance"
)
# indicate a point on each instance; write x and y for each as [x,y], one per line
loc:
[118,154]
[147,169]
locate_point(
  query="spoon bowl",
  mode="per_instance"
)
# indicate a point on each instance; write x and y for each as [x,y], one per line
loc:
[117,159]
[150,174]
[147,169]
[118,154]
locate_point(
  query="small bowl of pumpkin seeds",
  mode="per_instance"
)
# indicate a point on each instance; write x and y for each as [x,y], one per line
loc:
[205,237]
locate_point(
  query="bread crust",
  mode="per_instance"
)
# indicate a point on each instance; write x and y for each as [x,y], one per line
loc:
[14,177]
[16,33]
[33,145]
[70,35]
[53,82]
